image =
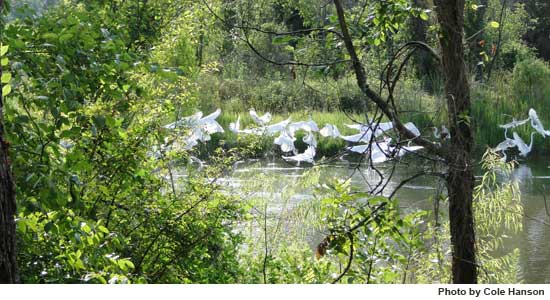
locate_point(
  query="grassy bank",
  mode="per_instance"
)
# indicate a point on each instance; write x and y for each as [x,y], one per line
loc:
[508,95]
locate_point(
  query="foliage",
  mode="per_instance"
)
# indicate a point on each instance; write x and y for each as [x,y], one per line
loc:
[107,195]
[371,231]
[511,95]
[515,24]
[382,246]
[530,79]
[96,203]
[497,212]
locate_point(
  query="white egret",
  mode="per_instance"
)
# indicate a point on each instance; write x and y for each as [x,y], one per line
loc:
[310,139]
[412,128]
[209,123]
[307,156]
[378,156]
[330,131]
[303,125]
[380,127]
[504,145]
[189,121]
[263,120]
[277,127]
[513,124]
[443,135]
[235,127]
[190,143]
[522,147]
[379,151]
[358,127]
[360,137]
[537,124]
[286,142]
[408,149]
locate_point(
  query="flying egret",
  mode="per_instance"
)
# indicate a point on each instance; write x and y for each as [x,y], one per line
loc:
[209,123]
[189,121]
[364,136]
[379,151]
[277,127]
[235,127]
[307,156]
[330,131]
[408,149]
[522,147]
[380,127]
[504,145]
[286,142]
[358,127]
[537,124]
[308,126]
[412,128]
[263,120]
[513,124]
[310,139]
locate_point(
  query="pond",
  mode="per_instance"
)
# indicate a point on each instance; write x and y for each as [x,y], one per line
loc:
[269,176]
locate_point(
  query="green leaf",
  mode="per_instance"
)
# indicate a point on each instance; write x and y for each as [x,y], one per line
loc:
[281,39]
[49,36]
[3,50]
[65,37]
[424,16]
[6,90]
[494,24]
[6,77]
[103,229]
[4,61]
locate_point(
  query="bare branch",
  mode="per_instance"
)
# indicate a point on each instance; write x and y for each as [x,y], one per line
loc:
[371,94]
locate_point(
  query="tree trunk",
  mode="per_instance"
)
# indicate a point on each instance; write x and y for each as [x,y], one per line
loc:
[8,264]
[460,179]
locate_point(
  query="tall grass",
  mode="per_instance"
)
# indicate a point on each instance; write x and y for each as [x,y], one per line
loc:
[508,95]
[511,95]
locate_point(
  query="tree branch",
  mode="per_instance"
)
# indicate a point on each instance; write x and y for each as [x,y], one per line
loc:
[370,93]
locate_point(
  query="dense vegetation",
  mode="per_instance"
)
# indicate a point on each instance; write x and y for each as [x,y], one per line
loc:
[89,85]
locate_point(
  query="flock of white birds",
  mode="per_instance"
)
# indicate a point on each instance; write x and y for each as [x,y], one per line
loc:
[517,141]
[369,140]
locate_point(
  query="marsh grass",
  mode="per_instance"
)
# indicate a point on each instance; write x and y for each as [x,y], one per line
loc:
[502,100]
[508,95]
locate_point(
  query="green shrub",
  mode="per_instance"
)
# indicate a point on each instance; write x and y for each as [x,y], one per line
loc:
[531,78]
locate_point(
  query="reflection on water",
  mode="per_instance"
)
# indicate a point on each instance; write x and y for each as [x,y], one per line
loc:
[534,181]
[533,178]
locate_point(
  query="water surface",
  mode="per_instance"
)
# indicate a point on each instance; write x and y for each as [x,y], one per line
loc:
[532,175]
